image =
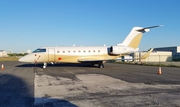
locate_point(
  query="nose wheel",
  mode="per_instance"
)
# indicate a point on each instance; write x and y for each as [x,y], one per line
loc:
[45,65]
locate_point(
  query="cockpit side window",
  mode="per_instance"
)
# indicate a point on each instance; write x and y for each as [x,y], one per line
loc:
[39,50]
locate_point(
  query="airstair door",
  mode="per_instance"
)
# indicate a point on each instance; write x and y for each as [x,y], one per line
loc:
[51,54]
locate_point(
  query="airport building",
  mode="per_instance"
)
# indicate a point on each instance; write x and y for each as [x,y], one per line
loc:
[155,56]
[174,49]
[3,53]
[29,51]
[161,54]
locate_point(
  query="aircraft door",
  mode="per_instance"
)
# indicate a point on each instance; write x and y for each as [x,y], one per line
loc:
[51,54]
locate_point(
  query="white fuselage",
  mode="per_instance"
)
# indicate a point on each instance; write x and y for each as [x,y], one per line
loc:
[69,54]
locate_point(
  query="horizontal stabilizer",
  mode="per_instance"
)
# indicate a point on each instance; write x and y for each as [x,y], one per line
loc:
[153,26]
[147,29]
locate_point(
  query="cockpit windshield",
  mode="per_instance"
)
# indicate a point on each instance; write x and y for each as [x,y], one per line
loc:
[39,50]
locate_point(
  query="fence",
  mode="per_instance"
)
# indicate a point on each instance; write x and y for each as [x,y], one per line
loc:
[158,59]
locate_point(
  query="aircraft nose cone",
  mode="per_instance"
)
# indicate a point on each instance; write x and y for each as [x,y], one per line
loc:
[25,59]
[21,59]
[28,58]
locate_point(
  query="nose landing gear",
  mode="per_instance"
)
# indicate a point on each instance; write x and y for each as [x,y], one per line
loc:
[45,65]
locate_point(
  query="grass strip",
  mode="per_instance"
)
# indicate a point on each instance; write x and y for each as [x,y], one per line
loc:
[9,59]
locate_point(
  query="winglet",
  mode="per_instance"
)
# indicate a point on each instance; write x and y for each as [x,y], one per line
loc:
[147,54]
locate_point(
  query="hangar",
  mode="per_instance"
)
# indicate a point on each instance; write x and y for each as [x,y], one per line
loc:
[155,56]
[174,49]
[160,54]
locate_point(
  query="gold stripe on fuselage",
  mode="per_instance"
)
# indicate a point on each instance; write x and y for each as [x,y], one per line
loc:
[75,59]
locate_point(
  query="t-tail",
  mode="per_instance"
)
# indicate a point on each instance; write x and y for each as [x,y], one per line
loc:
[131,42]
[134,38]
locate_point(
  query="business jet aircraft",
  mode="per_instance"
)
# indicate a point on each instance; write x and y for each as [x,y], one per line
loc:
[88,54]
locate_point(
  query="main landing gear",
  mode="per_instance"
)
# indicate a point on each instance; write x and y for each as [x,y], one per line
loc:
[99,64]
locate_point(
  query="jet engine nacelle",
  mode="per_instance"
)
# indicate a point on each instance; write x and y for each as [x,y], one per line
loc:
[116,50]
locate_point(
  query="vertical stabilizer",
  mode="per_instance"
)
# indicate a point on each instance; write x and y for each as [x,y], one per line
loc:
[134,38]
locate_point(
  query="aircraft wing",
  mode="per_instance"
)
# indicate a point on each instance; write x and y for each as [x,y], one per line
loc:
[147,54]
[94,59]
[143,57]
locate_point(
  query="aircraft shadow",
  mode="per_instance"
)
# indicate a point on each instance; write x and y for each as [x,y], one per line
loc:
[57,65]
[15,92]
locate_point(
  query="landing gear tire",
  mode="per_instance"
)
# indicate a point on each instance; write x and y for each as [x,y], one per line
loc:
[45,65]
[101,65]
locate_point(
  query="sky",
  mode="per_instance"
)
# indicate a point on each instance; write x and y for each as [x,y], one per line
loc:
[30,24]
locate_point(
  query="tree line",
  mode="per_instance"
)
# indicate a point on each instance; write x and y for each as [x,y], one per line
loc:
[17,54]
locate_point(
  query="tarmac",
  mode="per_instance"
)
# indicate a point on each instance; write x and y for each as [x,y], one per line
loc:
[79,85]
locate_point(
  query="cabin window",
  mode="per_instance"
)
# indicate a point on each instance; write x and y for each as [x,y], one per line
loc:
[68,51]
[63,51]
[57,51]
[39,50]
[94,51]
[74,51]
[99,51]
[84,51]
[89,51]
